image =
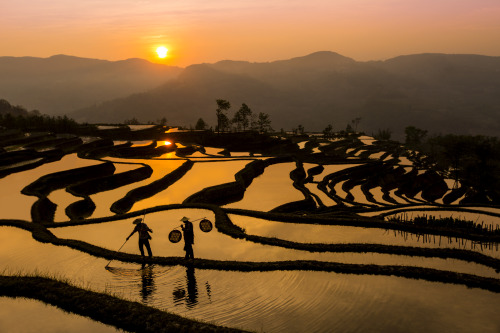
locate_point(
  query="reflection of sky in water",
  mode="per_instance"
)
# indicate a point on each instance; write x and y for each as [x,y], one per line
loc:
[325,199]
[170,155]
[338,189]
[451,184]
[213,151]
[330,234]
[217,246]
[398,199]
[200,176]
[139,127]
[378,194]
[107,127]
[14,204]
[367,140]
[104,200]
[270,190]
[44,318]
[271,301]
[359,196]
[142,143]
[388,210]
[404,161]
[63,198]
[359,152]
[376,156]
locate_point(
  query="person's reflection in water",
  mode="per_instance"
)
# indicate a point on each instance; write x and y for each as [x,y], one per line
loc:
[192,290]
[209,291]
[148,284]
[191,298]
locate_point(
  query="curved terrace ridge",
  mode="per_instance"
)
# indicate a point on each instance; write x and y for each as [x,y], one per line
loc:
[223,224]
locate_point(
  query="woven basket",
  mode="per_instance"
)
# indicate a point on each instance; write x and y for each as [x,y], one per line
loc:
[205,225]
[175,236]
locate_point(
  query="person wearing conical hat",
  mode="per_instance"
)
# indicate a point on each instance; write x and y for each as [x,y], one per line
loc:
[144,236]
[187,230]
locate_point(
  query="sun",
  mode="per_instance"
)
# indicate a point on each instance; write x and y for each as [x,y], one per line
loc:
[162,52]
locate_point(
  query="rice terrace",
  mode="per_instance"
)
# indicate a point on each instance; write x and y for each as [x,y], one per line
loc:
[325,232]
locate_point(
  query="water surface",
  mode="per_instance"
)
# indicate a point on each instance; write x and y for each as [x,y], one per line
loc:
[44,318]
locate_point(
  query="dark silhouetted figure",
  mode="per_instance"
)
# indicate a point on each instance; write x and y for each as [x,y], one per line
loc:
[148,285]
[187,230]
[192,290]
[209,290]
[144,236]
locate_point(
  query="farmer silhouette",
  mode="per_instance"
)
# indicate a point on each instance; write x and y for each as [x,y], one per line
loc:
[144,236]
[187,230]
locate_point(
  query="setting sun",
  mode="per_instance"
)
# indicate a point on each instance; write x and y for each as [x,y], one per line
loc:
[162,51]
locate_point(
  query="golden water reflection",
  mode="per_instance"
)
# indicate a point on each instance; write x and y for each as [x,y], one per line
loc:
[200,176]
[271,301]
[217,246]
[14,204]
[332,234]
[270,190]
[278,301]
[44,318]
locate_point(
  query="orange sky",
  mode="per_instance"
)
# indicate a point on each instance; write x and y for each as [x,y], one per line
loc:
[198,31]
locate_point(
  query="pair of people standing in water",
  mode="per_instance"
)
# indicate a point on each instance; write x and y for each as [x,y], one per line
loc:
[144,236]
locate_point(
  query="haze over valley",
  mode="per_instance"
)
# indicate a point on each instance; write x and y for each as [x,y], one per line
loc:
[439,92]
[61,84]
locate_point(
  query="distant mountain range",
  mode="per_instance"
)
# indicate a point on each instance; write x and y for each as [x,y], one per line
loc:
[438,92]
[62,84]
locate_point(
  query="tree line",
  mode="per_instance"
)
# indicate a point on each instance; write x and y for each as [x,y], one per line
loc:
[473,161]
[17,117]
[15,110]
[243,119]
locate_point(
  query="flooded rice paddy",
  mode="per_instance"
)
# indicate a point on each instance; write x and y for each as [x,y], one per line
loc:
[14,311]
[269,300]
[271,215]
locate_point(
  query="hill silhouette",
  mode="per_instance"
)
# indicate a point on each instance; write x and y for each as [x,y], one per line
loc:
[442,93]
[60,84]
[439,92]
